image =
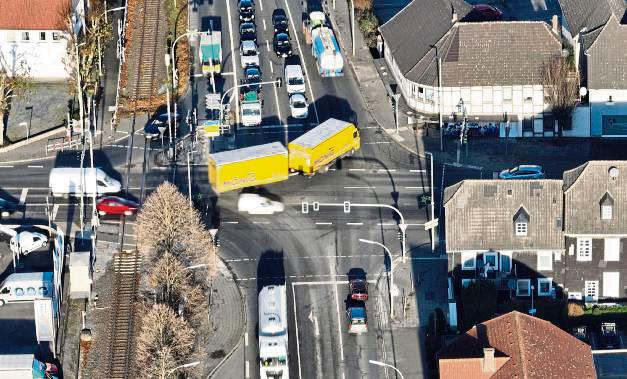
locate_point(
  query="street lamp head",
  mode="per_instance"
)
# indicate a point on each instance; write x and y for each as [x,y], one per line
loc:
[192,364]
[376,363]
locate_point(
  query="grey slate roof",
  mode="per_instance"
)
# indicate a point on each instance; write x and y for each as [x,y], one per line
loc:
[498,53]
[411,32]
[480,214]
[585,188]
[607,66]
[590,14]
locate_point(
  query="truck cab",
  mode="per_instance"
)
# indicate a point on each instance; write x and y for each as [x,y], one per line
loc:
[357,318]
[250,108]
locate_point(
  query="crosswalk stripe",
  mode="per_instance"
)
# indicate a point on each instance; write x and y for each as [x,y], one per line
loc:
[23,196]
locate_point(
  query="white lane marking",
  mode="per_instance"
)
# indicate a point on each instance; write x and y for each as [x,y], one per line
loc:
[296,327]
[419,187]
[376,143]
[339,323]
[360,187]
[354,223]
[261,5]
[417,170]
[300,51]
[271,67]
[383,171]
[384,224]
[7,166]
[356,169]
[261,222]
[276,100]
[246,339]
[415,224]
[228,11]
[314,321]
[55,209]
[230,222]
[329,282]
[247,369]
[23,196]
[264,24]
[324,223]
[268,45]
[332,169]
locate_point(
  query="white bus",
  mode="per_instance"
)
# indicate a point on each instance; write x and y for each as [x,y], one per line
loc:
[273,344]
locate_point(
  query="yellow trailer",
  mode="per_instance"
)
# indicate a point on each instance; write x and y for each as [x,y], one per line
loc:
[317,149]
[250,166]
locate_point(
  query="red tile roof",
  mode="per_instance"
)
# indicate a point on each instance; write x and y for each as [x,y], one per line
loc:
[535,347]
[32,14]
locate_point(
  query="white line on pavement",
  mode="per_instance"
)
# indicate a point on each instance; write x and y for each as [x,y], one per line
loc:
[419,187]
[230,222]
[339,323]
[329,282]
[264,24]
[271,67]
[360,187]
[55,209]
[384,171]
[247,369]
[276,100]
[376,143]
[23,196]
[7,166]
[261,5]
[354,223]
[35,166]
[296,327]
[417,170]
[314,321]
[356,169]
[324,223]
[384,224]
[268,45]
[246,339]
[261,222]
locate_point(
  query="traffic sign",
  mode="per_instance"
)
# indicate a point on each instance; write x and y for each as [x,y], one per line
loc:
[211,128]
[431,224]
[403,227]
[305,207]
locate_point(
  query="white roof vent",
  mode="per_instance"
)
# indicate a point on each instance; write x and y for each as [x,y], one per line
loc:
[613,171]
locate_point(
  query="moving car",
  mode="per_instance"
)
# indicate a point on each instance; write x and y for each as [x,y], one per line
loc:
[258,204]
[27,242]
[29,286]
[252,77]
[282,45]
[247,32]
[298,106]
[279,21]
[7,207]
[159,125]
[487,12]
[523,172]
[358,289]
[249,54]
[294,79]
[246,10]
[357,318]
[115,205]
[66,181]
[608,338]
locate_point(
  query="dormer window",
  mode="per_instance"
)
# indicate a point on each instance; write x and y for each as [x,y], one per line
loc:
[607,207]
[521,222]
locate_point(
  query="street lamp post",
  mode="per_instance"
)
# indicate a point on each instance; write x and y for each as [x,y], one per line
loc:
[106,21]
[172,48]
[382,364]
[79,90]
[431,201]
[440,97]
[391,271]
[186,365]
[462,134]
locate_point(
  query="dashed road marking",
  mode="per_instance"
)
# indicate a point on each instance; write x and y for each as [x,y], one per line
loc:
[271,67]
[324,223]
[35,166]
[377,143]
[339,322]
[356,169]
[6,166]
[384,224]
[417,170]
[261,222]
[247,369]
[268,45]
[55,209]
[296,327]
[354,223]
[360,187]
[23,196]
[264,24]
[230,222]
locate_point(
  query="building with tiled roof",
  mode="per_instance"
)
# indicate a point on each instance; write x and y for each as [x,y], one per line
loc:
[32,32]
[489,70]
[516,345]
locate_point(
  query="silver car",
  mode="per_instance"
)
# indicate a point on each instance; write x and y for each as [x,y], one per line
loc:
[523,172]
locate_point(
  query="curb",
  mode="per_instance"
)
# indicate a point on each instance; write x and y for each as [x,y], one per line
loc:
[27,142]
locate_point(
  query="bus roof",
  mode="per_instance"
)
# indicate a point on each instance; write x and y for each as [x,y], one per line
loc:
[321,133]
[248,153]
[272,310]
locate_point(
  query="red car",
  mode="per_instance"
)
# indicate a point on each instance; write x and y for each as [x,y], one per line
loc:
[358,289]
[114,205]
[487,12]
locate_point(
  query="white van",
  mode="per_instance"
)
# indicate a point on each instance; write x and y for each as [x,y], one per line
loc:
[294,79]
[67,181]
[257,204]
[26,287]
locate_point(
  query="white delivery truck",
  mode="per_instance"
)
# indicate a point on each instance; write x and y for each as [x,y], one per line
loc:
[67,181]
[25,366]
[26,287]
[273,344]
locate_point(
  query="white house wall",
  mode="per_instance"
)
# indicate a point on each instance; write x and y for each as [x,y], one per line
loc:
[580,123]
[43,58]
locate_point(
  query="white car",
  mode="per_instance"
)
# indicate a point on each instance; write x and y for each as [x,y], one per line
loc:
[257,204]
[294,79]
[249,55]
[27,242]
[299,106]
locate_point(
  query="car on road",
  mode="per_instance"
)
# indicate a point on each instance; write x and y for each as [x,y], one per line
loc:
[115,205]
[282,45]
[294,79]
[252,77]
[247,32]
[486,12]
[298,106]
[159,125]
[257,204]
[249,54]
[523,172]
[26,242]
[357,318]
[358,289]
[7,207]
[279,21]
[246,10]
[581,333]
[608,337]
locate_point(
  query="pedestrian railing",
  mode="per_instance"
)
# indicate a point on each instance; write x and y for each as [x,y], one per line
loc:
[62,143]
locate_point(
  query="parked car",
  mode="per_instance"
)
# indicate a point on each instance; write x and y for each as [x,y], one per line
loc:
[608,338]
[298,106]
[252,77]
[357,318]
[279,21]
[581,333]
[159,125]
[246,10]
[487,12]
[27,242]
[282,45]
[7,207]
[358,289]
[247,32]
[523,172]
[249,54]
[115,205]
[258,204]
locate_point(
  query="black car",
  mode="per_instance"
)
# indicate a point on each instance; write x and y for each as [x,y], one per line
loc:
[608,338]
[247,32]
[246,10]
[358,289]
[7,207]
[160,123]
[280,22]
[282,45]
[252,77]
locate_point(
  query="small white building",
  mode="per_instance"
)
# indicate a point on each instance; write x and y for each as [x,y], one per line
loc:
[32,32]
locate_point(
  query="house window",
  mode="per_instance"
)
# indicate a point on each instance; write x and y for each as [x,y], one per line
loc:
[466,282]
[429,94]
[468,261]
[606,212]
[523,287]
[584,249]
[591,288]
[56,36]
[611,284]
[611,251]
[521,228]
[545,286]
[545,260]
[491,261]
[25,36]
[42,36]
[506,262]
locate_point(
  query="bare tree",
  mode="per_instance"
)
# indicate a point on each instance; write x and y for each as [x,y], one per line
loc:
[561,86]
[14,83]
[164,342]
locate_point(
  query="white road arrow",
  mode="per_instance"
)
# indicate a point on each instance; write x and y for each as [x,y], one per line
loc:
[314,320]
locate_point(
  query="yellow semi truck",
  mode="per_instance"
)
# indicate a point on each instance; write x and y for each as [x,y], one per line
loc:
[312,152]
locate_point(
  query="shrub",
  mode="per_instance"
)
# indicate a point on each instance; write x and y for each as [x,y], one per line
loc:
[368,24]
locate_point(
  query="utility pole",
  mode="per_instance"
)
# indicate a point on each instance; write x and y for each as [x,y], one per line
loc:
[353,23]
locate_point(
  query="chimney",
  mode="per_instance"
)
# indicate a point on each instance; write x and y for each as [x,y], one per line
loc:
[488,360]
[454,20]
[555,24]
